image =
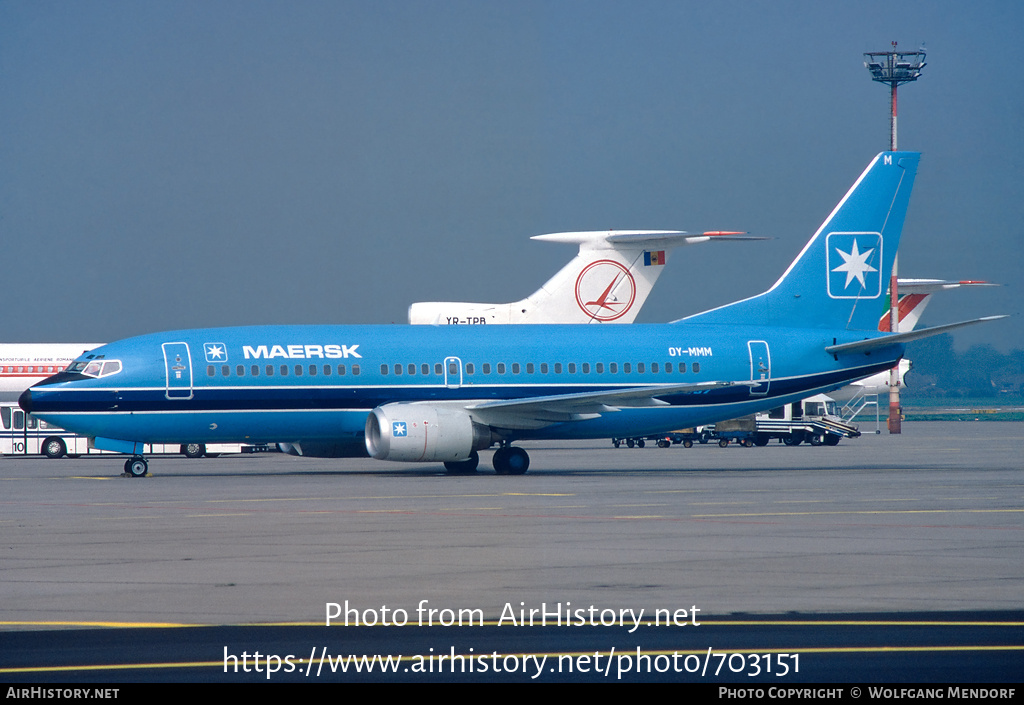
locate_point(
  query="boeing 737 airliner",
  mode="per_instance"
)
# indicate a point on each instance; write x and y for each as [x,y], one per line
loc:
[443,393]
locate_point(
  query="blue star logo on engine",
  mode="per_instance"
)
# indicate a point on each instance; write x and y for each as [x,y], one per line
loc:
[216,352]
[398,428]
[854,265]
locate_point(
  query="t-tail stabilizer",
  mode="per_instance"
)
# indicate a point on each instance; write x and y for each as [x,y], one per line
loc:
[608,281]
[839,279]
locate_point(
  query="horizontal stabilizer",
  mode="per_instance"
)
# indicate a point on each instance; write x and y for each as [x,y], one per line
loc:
[875,343]
[597,239]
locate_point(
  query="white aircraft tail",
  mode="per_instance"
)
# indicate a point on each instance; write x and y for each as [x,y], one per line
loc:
[607,282]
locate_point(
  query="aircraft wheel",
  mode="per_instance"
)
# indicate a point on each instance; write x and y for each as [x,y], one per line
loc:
[687,444]
[463,467]
[193,450]
[54,448]
[136,467]
[723,443]
[511,461]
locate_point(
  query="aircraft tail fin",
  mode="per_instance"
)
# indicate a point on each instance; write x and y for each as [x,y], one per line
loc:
[840,278]
[607,281]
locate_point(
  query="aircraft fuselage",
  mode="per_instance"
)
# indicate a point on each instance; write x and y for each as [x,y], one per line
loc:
[319,383]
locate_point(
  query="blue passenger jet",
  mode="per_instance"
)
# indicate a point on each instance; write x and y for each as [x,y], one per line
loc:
[443,393]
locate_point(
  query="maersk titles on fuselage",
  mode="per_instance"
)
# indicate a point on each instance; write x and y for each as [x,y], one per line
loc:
[419,393]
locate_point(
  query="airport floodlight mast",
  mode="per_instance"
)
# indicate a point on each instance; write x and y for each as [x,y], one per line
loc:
[893,68]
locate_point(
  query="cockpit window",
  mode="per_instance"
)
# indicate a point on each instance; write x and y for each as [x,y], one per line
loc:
[96,368]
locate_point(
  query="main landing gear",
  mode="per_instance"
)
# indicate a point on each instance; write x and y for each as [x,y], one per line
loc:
[511,461]
[463,467]
[507,461]
[136,466]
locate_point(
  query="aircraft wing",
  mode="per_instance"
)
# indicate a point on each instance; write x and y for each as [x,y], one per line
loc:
[537,412]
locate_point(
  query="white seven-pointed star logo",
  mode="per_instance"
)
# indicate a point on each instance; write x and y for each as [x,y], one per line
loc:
[398,428]
[855,264]
[216,352]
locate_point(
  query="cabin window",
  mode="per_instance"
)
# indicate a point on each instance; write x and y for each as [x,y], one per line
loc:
[487,368]
[453,368]
[543,368]
[639,368]
[398,369]
[558,368]
[614,367]
[682,367]
[284,370]
[210,370]
[599,368]
[626,368]
[696,367]
[312,370]
[438,369]
[270,370]
[424,369]
[501,368]
[341,369]
[383,369]
[585,368]
[225,371]
[355,370]
[469,368]
[411,369]
[298,370]
[255,370]
[327,370]
[515,368]
[240,370]
[654,367]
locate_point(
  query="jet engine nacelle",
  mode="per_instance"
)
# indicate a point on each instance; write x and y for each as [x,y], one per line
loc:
[423,433]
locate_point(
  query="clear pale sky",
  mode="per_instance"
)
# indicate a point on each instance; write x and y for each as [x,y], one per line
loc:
[190,164]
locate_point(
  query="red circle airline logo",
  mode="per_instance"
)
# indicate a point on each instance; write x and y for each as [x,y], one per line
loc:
[605,290]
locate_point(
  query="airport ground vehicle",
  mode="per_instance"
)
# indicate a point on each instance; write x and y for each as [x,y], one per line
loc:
[815,420]
[24,434]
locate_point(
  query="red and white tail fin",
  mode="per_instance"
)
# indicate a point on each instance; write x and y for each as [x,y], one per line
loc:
[914,297]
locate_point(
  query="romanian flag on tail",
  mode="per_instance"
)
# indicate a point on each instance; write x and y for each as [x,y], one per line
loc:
[654,258]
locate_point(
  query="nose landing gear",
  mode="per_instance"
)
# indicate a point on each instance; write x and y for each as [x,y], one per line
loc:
[136,466]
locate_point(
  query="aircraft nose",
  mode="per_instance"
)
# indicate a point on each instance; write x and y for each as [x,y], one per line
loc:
[25,401]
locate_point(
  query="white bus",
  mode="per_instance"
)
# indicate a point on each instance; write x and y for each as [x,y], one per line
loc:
[24,434]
